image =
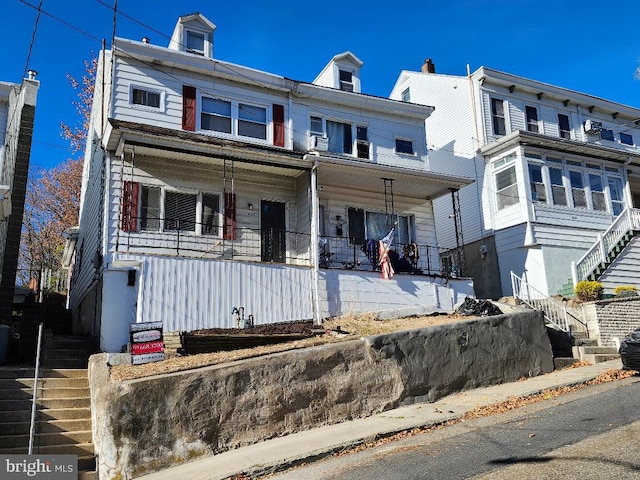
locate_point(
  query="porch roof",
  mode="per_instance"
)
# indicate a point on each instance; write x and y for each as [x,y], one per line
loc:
[562,145]
[147,140]
[367,177]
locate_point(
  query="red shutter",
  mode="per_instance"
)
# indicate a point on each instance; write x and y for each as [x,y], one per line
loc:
[229,228]
[278,125]
[129,221]
[188,108]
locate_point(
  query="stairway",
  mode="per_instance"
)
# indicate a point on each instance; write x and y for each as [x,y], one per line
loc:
[63,416]
[589,351]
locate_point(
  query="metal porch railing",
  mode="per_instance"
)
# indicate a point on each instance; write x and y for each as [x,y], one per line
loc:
[555,313]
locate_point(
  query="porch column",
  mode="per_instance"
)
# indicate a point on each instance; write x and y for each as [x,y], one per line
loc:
[313,237]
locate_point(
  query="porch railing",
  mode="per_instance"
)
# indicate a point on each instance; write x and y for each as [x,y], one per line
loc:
[627,221]
[555,313]
[198,240]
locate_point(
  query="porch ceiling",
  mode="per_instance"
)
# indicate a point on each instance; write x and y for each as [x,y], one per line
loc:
[357,175]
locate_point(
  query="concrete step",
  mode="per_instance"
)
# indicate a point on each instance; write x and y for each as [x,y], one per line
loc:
[79,382]
[52,392]
[586,350]
[65,363]
[49,414]
[563,362]
[50,426]
[45,439]
[66,353]
[65,341]
[28,372]
[84,402]
[599,357]
[81,449]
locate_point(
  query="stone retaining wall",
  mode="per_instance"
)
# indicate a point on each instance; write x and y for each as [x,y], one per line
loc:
[613,318]
[148,424]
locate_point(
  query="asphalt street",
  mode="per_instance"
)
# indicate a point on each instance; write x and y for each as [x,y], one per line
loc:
[593,433]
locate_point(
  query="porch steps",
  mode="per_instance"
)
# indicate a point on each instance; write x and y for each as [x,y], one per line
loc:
[595,354]
[63,413]
[611,256]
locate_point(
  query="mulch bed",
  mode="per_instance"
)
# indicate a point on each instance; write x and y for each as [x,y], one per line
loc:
[301,327]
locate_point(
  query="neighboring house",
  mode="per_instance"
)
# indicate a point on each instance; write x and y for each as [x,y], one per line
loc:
[555,170]
[210,186]
[17,113]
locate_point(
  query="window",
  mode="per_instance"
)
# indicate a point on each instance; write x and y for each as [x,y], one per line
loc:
[558,192]
[252,121]
[532,119]
[346,81]
[150,208]
[216,115]
[578,194]
[563,125]
[340,137]
[617,195]
[316,126]
[210,214]
[406,95]
[195,42]
[626,138]
[606,134]
[597,192]
[364,225]
[538,192]
[404,146]
[179,211]
[506,187]
[362,143]
[145,98]
[497,116]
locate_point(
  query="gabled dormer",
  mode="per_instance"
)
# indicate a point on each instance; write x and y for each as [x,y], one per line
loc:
[342,73]
[193,34]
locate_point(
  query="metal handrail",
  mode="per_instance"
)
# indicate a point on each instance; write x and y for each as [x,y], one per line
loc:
[35,391]
[554,312]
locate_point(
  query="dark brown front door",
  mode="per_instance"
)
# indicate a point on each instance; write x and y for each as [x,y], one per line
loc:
[272,232]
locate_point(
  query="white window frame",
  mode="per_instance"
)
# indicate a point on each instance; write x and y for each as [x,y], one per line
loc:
[207,41]
[568,124]
[498,167]
[198,214]
[235,119]
[504,118]
[160,109]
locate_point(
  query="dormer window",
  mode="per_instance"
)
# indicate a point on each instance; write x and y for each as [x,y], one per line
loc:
[346,81]
[195,42]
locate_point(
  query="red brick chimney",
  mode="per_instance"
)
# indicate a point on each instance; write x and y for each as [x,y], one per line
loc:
[428,66]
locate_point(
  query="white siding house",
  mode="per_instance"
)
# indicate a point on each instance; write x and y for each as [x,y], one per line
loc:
[555,169]
[209,186]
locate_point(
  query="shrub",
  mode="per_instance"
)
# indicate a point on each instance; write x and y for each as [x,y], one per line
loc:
[588,291]
[626,291]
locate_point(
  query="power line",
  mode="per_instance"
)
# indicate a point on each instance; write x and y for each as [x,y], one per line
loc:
[33,38]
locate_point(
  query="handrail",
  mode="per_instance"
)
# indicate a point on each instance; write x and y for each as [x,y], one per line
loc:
[554,312]
[35,391]
[627,221]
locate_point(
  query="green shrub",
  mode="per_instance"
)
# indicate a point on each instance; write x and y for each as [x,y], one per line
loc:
[588,291]
[626,291]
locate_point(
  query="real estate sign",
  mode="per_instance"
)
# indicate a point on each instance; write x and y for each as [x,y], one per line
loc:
[146,342]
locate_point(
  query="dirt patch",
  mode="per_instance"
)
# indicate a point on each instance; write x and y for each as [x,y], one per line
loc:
[339,329]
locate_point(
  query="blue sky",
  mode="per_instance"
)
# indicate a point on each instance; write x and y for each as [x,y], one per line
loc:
[588,46]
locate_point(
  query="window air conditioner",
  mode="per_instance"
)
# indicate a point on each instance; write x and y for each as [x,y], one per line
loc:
[318,143]
[592,127]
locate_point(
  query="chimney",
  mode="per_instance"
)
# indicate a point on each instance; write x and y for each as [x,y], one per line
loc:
[428,66]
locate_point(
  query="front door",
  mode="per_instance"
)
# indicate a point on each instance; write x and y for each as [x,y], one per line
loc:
[272,232]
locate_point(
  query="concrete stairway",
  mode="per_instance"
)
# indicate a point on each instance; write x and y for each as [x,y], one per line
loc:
[589,351]
[63,417]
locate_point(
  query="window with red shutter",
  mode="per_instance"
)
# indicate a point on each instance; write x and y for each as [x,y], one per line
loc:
[129,220]
[229,228]
[278,125]
[188,108]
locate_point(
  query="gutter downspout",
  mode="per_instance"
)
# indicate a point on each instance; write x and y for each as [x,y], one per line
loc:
[317,320]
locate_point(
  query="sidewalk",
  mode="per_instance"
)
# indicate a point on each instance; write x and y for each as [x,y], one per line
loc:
[313,444]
